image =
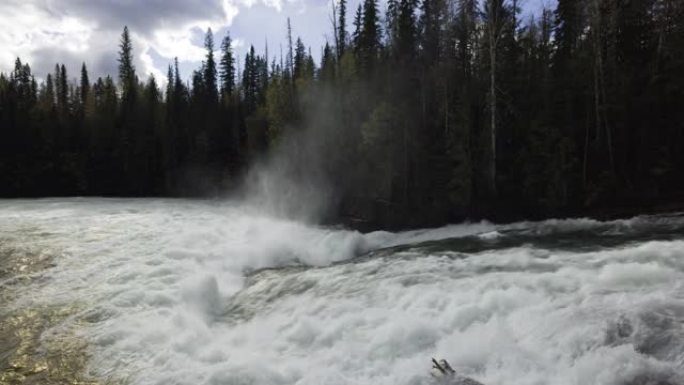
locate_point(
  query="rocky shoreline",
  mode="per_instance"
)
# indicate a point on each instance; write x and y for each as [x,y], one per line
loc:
[36,346]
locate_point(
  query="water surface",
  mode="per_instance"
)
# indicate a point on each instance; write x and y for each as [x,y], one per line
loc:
[202,292]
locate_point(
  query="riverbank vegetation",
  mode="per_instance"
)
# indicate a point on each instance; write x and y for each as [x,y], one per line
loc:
[427,111]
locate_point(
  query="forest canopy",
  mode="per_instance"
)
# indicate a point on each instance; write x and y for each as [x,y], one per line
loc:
[426,111]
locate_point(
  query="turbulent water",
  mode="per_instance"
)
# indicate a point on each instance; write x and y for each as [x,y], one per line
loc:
[191,292]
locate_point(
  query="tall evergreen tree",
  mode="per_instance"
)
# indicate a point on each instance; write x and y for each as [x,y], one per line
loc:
[356,37]
[179,87]
[170,82]
[299,59]
[250,81]
[341,29]
[49,96]
[569,19]
[327,71]
[127,77]
[85,85]
[431,24]
[405,44]
[63,92]
[227,67]
[369,37]
[210,72]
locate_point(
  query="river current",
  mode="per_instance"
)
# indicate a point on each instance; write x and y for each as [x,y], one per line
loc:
[207,292]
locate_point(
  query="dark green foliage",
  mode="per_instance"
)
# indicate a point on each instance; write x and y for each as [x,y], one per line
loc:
[127,77]
[210,71]
[85,85]
[586,101]
[356,37]
[369,36]
[250,81]
[299,59]
[341,29]
[227,69]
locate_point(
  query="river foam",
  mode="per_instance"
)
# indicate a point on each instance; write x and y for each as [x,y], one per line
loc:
[183,292]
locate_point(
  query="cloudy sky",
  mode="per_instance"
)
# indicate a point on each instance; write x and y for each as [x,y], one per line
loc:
[44,32]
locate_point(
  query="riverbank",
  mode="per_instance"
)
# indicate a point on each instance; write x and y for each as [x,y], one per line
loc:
[373,216]
[39,344]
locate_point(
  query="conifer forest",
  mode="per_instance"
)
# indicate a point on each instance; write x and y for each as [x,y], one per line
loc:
[417,112]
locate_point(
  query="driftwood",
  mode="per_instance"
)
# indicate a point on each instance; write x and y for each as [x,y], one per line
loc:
[446,375]
[443,367]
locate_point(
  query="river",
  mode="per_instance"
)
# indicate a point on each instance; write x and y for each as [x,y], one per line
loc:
[163,291]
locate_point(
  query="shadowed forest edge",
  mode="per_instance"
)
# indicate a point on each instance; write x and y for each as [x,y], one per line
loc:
[436,111]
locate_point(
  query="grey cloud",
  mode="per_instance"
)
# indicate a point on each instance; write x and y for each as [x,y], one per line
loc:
[100,64]
[142,17]
[253,25]
[44,60]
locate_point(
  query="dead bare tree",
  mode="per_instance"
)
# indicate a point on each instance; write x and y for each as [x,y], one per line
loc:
[495,23]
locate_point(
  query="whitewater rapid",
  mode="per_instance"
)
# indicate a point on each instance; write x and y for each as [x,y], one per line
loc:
[206,292]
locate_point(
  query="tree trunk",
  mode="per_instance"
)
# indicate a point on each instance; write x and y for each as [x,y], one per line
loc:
[492,108]
[597,97]
[585,161]
[333,21]
[609,62]
[600,94]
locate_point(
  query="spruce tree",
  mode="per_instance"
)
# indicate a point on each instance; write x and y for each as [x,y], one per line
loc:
[341,29]
[63,92]
[299,59]
[179,87]
[327,71]
[568,29]
[356,37]
[127,77]
[369,38]
[85,85]
[49,99]
[227,68]
[430,25]
[210,71]
[170,82]
[405,45]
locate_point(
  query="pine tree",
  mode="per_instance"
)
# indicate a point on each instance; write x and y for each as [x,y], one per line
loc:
[179,87]
[63,92]
[210,71]
[369,38]
[127,77]
[85,85]
[170,82]
[391,21]
[327,71]
[342,29]
[299,59]
[49,96]
[250,81]
[405,45]
[568,29]
[356,37]
[430,25]
[227,68]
